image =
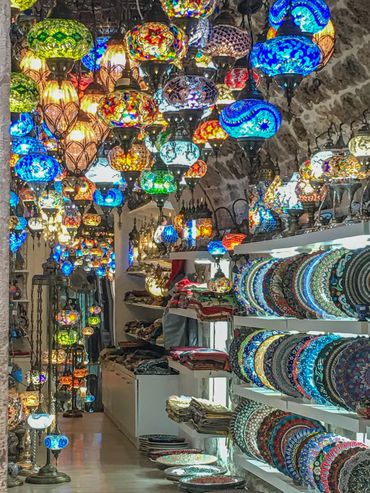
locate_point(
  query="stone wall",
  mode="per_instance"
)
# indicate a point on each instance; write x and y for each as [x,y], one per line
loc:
[338,93]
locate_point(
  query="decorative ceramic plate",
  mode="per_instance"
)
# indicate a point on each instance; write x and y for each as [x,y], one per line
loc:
[276,289]
[259,359]
[354,477]
[267,285]
[328,374]
[238,287]
[186,460]
[306,367]
[252,429]
[291,450]
[243,345]
[290,286]
[249,283]
[177,473]
[239,336]
[337,465]
[351,375]
[268,361]
[337,292]
[238,423]
[265,431]
[296,365]
[264,309]
[250,351]
[316,286]
[211,483]
[356,278]
[307,287]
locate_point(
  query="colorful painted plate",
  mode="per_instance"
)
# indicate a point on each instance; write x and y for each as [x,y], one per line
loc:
[177,473]
[238,423]
[259,359]
[276,289]
[265,431]
[356,278]
[252,429]
[249,283]
[268,361]
[186,460]
[293,289]
[354,477]
[291,450]
[267,286]
[337,292]
[249,354]
[219,483]
[242,347]
[259,293]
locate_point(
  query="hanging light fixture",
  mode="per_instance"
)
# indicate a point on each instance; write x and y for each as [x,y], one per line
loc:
[359,144]
[22,4]
[195,173]
[89,105]
[130,163]
[113,197]
[92,59]
[112,62]
[60,40]
[24,94]
[158,182]
[310,16]
[34,67]
[188,9]
[37,168]
[60,106]
[21,125]
[210,131]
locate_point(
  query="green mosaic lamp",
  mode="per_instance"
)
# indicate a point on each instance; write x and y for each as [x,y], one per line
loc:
[24,93]
[60,40]
[158,182]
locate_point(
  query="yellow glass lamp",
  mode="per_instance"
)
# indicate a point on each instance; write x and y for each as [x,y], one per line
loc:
[58,357]
[60,106]
[112,63]
[87,331]
[34,67]
[66,337]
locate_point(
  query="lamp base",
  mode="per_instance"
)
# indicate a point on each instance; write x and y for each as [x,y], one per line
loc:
[48,474]
[13,481]
[27,471]
[73,413]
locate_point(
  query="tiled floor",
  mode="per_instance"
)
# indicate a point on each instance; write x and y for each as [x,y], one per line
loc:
[100,459]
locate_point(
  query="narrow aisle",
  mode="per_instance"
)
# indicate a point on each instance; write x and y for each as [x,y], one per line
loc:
[100,459]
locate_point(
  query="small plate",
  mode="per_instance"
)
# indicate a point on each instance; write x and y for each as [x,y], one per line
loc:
[186,460]
[177,473]
[215,483]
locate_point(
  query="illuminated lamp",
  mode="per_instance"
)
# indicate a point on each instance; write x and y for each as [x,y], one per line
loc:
[87,331]
[95,309]
[36,225]
[18,223]
[179,155]
[30,399]
[58,357]
[216,249]
[169,235]
[188,8]
[80,146]
[343,166]
[237,78]
[67,317]
[37,168]
[40,421]
[66,337]
[80,372]
[309,16]
[89,105]
[211,131]
[13,159]
[15,411]
[158,182]
[94,320]
[231,240]
[60,40]
[24,94]
[67,268]
[13,199]
[112,63]
[84,190]
[204,227]
[91,218]
[225,96]
[56,442]
[60,106]
[27,145]
[71,217]
[156,286]
[325,40]
[101,172]
[34,67]
[195,173]
[220,284]
[93,58]
[21,126]
[22,4]
[359,144]
[65,380]
[113,197]
[36,377]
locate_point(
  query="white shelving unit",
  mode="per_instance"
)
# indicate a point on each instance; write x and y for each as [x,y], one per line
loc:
[198,373]
[344,326]
[144,305]
[184,312]
[338,418]
[269,474]
[191,255]
[349,236]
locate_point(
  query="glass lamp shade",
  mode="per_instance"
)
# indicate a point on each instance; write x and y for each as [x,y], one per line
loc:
[251,118]
[204,226]
[92,59]
[306,192]
[13,199]
[80,372]
[24,93]
[101,172]
[190,92]
[22,126]
[325,40]
[40,421]
[58,357]
[127,108]
[285,55]
[60,38]
[83,190]
[67,268]
[67,318]
[15,411]
[113,197]
[220,284]
[231,240]
[228,41]
[66,337]
[211,130]
[91,219]
[18,223]
[27,145]
[80,146]
[342,166]
[216,248]
[225,96]
[71,217]
[16,240]
[60,106]
[34,67]
[22,4]
[112,63]
[95,309]
[237,78]
[156,41]
[286,194]
[56,442]
[169,235]
[359,145]
[196,170]
[87,331]
[65,380]
[137,158]
[30,399]
[188,8]
[89,105]
[311,16]
[50,201]
[37,168]
[155,286]
[93,320]
[35,224]
[157,182]
[179,152]
[162,103]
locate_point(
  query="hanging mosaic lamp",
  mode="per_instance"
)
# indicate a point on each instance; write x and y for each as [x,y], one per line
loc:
[24,93]
[21,126]
[27,145]
[13,199]
[37,168]
[169,235]
[56,442]
[188,8]
[193,92]
[34,67]
[136,159]
[87,331]
[210,131]
[179,153]
[216,249]
[94,320]
[195,172]
[80,146]
[40,421]
[359,144]
[113,62]
[92,59]
[16,240]
[58,357]
[220,284]
[22,4]
[325,40]
[67,268]
[67,317]
[158,182]
[91,218]
[60,106]
[310,16]
[236,78]
[66,337]
[231,240]
[60,40]
[113,197]
[89,105]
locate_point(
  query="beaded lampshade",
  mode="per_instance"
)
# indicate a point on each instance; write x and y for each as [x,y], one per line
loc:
[24,93]
[60,106]
[136,159]
[190,92]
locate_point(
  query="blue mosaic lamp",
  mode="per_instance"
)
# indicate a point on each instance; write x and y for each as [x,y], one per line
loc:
[113,197]
[22,126]
[16,240]
[216,249]
[310,16]
[169,235]
[67,268]
[56,442]
[13,199]
[180,152]
[93,58]
[27,145]
[36,168]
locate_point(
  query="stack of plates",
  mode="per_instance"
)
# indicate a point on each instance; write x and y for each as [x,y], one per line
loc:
[151,443]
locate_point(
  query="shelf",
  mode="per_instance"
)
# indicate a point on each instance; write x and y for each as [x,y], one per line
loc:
[269,474]
[330,415]
[191,255]
[349,236]
[184,312]
[198,373]
[344,326]
[144,305]
[190,431]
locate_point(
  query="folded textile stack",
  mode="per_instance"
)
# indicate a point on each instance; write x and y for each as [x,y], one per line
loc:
[207,305]
[209,417]
[139,296]
[204,415]
[196,358]
[147,331]
[138,358]
[178,408]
